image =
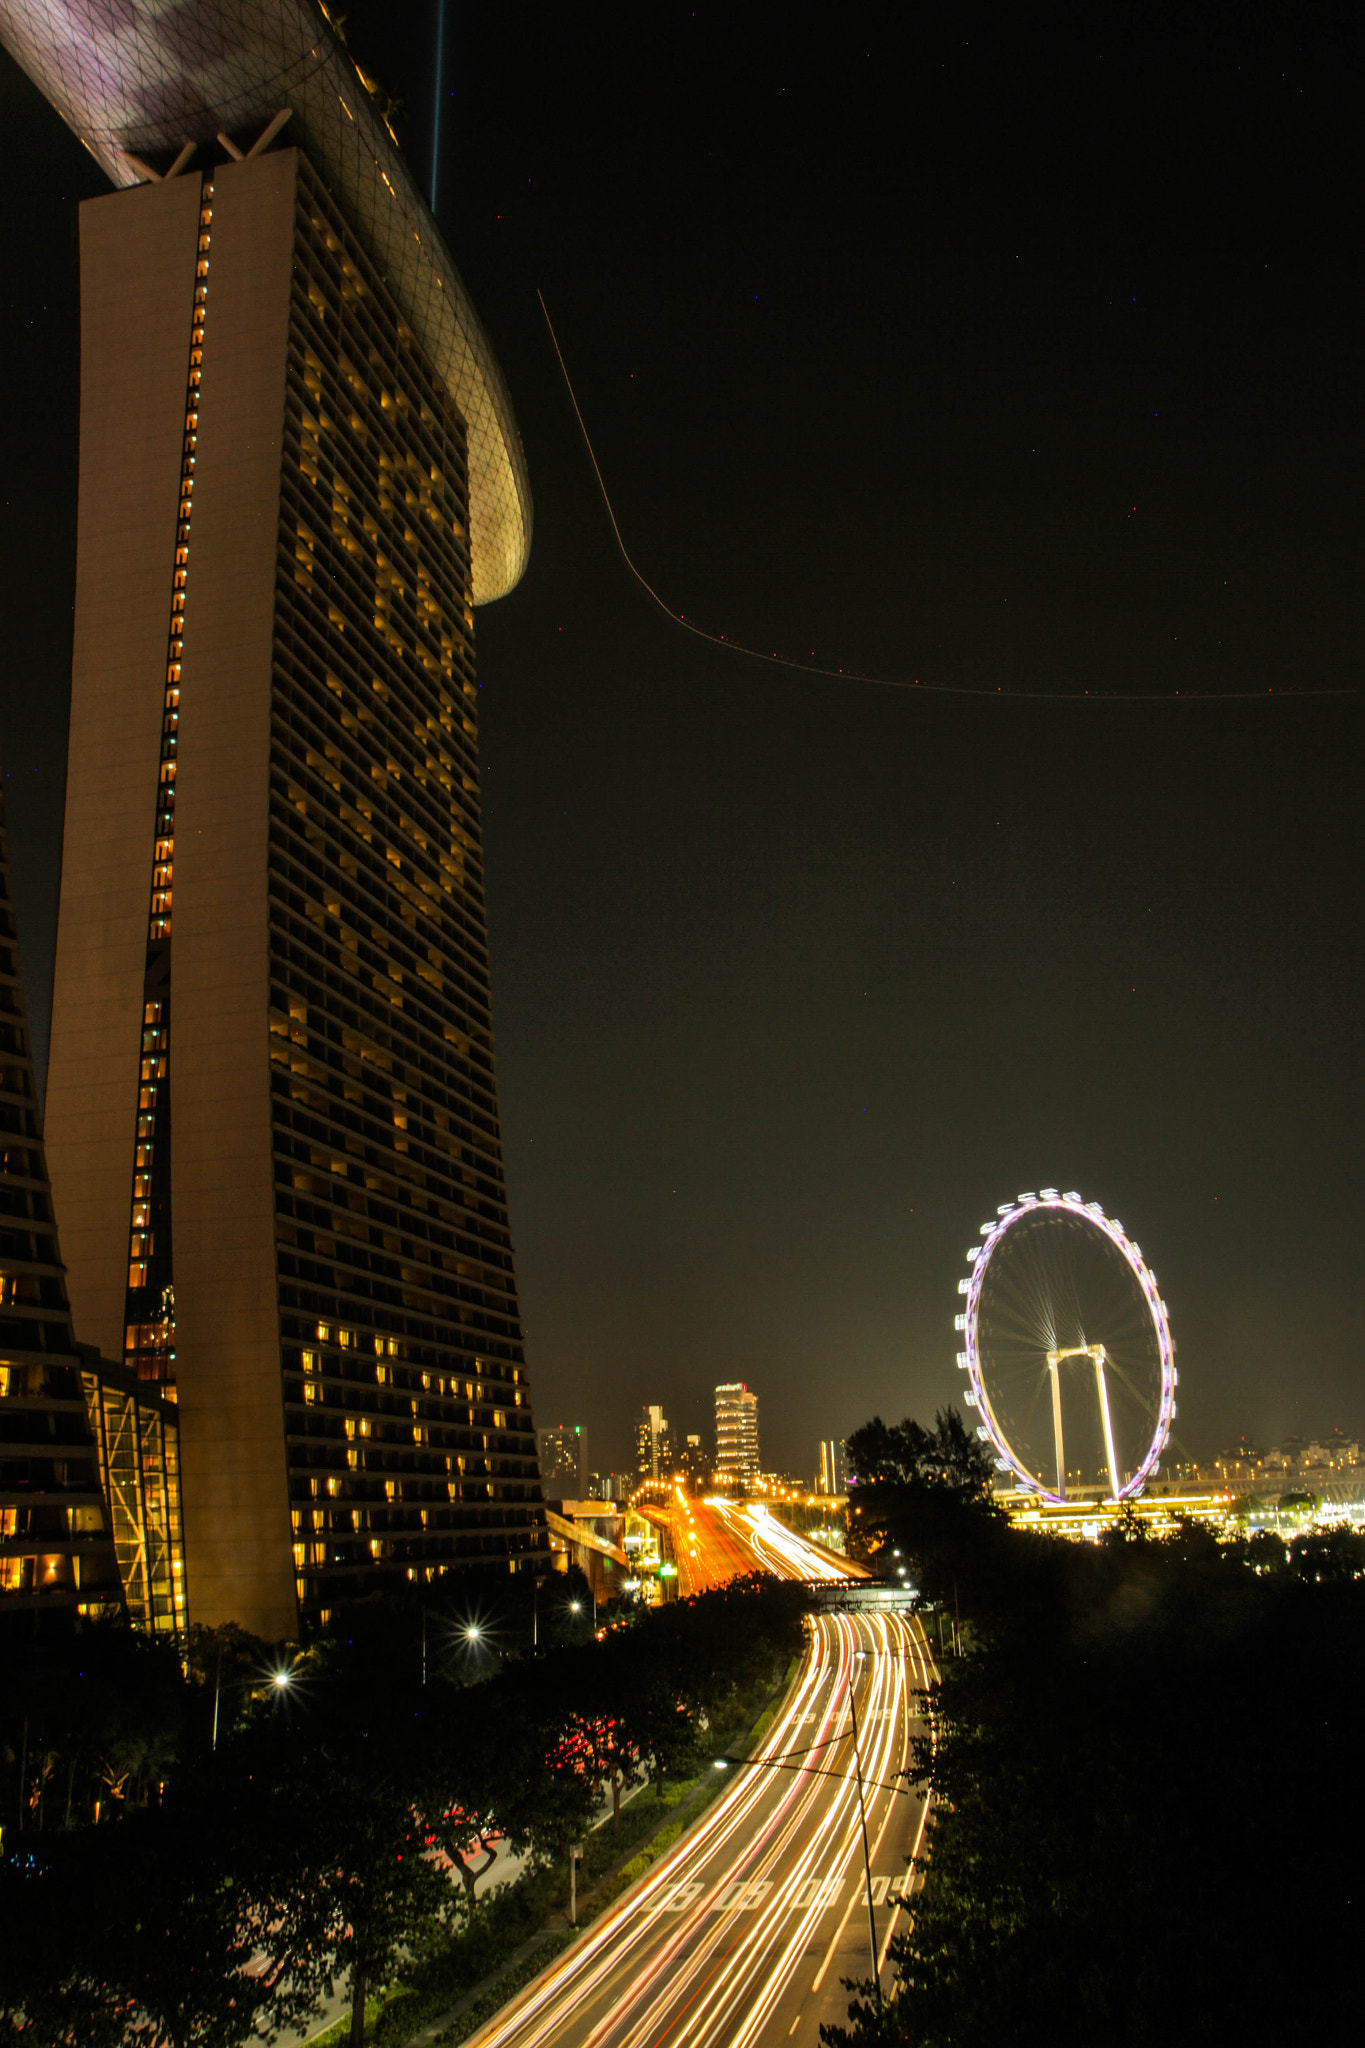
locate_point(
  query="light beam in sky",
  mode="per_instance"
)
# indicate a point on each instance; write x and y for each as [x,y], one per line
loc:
[436,110]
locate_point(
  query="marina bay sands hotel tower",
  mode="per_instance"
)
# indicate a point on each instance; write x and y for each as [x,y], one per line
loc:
[272,1119]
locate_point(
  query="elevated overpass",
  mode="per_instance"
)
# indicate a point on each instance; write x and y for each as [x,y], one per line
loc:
[861,1596]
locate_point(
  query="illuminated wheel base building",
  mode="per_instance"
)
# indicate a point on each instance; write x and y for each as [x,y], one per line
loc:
[272,1115]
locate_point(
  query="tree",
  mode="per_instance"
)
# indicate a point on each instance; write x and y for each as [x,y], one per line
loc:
[597,1741]
[346,1766]
[927,1494]
[94,1716]
[907,1454]
[1100,1767]
[155,1931]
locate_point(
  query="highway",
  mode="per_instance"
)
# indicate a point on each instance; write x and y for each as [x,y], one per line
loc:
[716,1540]
[740,1934]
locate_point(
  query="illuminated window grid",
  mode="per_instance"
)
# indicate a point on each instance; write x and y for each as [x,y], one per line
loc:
[391,1208]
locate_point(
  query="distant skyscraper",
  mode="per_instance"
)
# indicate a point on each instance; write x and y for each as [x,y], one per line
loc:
[653,1445]
[692,1463]
[56,1543]
[563,1461]
[736,1434]
[272,1106]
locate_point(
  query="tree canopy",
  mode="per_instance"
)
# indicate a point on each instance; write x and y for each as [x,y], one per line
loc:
[1140,1769]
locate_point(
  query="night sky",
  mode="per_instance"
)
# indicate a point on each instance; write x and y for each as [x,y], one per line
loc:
[1014,359]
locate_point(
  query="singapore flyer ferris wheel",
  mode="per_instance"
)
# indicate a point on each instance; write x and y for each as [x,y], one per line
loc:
[1067,1349]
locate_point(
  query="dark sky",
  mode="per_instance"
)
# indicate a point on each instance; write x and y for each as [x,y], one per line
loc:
[1018,357]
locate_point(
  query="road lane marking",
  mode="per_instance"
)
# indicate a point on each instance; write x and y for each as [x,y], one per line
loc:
[824,1889]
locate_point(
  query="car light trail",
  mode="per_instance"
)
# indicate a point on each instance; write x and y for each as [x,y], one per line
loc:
[700,1953]
[778,1549]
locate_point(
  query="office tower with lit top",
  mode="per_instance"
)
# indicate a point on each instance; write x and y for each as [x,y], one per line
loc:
[272,1106]
[736,1434]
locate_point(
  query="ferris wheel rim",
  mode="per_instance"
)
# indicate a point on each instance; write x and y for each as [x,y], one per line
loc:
[1090,1214]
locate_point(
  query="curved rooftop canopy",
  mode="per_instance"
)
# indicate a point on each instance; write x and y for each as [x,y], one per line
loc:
[141,79]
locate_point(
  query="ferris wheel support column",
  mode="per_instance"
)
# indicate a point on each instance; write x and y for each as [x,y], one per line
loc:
[1098,1355]
[1057,1425]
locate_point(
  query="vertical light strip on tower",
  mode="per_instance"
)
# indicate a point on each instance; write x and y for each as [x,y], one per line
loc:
[149,1344]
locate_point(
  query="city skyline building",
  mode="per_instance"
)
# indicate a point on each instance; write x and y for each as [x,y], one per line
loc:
[653,1444]
[563,1455]
[692,1464]
[272,1108]
[737,1460]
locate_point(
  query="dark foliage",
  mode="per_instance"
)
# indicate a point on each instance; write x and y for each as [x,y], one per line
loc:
[342,1819]
[925,1494]
[1143,1771]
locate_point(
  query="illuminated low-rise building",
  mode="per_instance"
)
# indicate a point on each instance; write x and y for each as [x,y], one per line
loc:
[136,1426]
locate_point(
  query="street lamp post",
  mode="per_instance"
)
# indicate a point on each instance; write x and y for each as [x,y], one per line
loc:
[280,1680]
[784,1763]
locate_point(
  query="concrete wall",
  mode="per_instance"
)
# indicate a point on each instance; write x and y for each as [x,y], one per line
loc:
[137,295]
[238,1559]
[138,254]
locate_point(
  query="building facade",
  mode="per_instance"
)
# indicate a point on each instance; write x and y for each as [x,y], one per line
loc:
[272,1102]
[56,1545]
[736,1435]
[136,1425]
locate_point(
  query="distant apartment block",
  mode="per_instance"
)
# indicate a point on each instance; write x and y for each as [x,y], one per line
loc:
[563,1461]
